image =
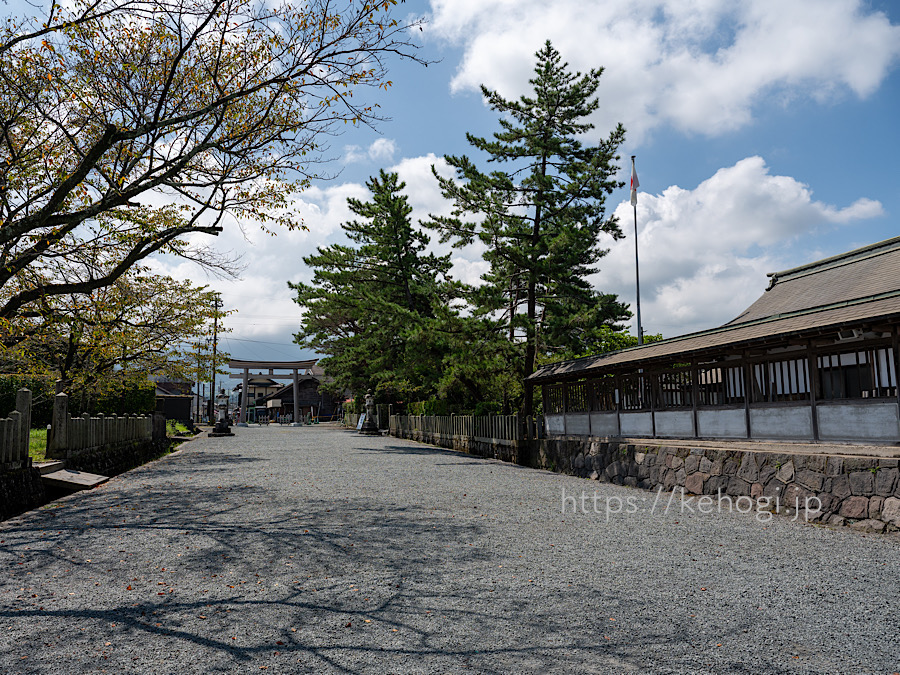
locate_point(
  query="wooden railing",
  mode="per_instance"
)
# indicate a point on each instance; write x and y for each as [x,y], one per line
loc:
[14,434]
[494,429]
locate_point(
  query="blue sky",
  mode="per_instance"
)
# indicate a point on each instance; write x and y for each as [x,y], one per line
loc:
[765,132]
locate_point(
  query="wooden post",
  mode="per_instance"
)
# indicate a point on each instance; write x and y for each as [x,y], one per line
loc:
[813,381]
[695,393]
[748,390]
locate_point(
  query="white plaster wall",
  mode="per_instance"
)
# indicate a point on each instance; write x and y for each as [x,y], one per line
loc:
[554,425]
[636,423]
[604,424]
[577,424]
[677,423]
[728,423]
[870,421]
[792,422]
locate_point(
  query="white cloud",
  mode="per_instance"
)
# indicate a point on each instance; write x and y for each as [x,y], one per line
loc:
[701,66]
[381,150]
[704,253]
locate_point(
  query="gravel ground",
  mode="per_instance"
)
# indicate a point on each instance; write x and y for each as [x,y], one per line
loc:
[316,550]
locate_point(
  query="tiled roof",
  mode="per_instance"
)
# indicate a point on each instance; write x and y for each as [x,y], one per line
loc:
[862,285]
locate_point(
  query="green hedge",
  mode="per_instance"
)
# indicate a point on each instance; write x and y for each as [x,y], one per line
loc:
[42,389]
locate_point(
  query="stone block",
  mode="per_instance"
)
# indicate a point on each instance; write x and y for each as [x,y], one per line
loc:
[785,472]
[694,483]
[731,467]
[617,468]
[890,511]
[837,520]
[668,479]
[748,470]
[816,463]
[680,475]
[868,525]
[795,496]
[677,462]
[718,467]
[859,464]
[737,487]
[654,476]
[630,481]
[756,490]
[840,486]
[766,472]
[645,484]
[650,459]
[828,501]
[579,461]
[594,475]
[889,463]
[639,457]
[875,504]
[773,489]
[705,465]
[862,483]
[643,471]
[834,466]
[692,464]
[855,507]
[714,484]
[885,481]
[809,478]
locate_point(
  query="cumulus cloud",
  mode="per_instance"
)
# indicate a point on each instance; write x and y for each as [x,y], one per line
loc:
[381,150]
[699,66]
[704,253]
[266,311]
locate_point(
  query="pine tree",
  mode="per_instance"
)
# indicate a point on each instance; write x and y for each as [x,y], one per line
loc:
[542,218]
[372,307]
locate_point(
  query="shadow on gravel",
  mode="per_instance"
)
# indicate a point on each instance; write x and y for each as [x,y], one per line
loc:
[233,575]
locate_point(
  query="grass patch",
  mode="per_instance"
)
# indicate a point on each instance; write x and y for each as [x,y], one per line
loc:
[174,428]
[37,445]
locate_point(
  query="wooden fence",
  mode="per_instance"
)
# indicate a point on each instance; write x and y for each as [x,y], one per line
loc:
[500,436]
[14,434]
[73,435]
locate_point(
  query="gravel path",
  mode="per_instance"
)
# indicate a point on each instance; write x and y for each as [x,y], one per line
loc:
[316,550]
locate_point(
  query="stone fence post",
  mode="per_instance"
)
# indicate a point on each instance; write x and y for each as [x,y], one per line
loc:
[59,428]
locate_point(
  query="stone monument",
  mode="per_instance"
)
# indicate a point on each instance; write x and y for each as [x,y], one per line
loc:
[369,425]
[221,428]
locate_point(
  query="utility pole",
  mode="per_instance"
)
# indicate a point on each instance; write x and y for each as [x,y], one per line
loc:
[217,303]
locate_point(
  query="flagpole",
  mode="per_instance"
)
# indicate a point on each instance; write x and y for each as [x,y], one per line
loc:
[637,273]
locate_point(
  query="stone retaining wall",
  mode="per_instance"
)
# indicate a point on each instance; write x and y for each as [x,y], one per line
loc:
[861,492]
[20,490]
[507,451]
[118,459]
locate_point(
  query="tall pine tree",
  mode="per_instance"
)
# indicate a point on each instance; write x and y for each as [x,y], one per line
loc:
[542,218]
[372,307]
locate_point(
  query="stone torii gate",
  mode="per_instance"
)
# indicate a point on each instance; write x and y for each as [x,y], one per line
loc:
[294,366]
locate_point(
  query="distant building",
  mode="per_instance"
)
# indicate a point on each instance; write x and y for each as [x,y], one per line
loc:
[814,359]
[258,387]
[312,398]
[174,398]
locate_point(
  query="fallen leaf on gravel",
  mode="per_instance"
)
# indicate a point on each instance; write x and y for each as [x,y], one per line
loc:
[368,620]
[201,616]
[348,625]
[128,588]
